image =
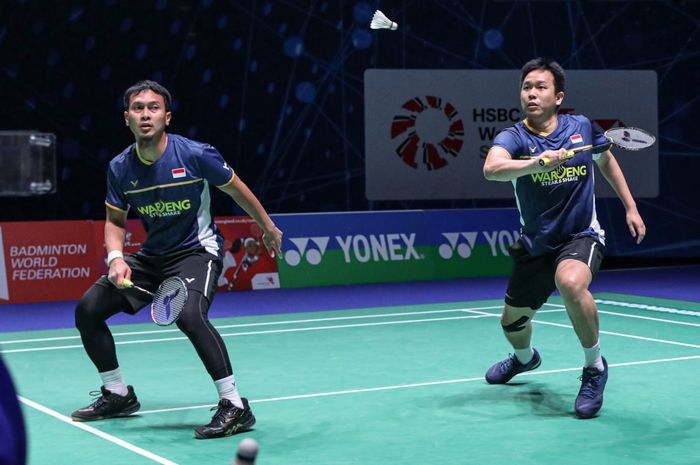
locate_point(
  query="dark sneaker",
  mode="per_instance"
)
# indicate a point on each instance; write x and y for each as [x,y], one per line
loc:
[108,405]
[503,371]
[590,396]
[227,420]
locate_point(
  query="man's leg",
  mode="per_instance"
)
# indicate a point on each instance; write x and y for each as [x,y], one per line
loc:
[233,414]
[572,279]
[517,327]
[117,399]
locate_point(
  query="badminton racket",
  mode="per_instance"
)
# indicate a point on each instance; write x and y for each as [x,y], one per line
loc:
[168,300]
[627,138]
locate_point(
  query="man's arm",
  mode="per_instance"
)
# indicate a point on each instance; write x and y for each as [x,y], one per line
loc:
[239,192]
[613,174]
[115,233]
[499,166]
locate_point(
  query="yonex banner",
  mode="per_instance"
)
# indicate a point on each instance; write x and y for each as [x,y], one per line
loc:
[427,132]
[52,261]
[375,247]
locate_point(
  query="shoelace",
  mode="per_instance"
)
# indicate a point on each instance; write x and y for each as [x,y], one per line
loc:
[98,397]
[589,384]
[220,407]
[507,364]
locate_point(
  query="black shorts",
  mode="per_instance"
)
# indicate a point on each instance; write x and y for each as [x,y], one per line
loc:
[198,268]
[532,280]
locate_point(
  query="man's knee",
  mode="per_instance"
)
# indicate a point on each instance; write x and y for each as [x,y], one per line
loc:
[515,326]
[85,313]
[194,314]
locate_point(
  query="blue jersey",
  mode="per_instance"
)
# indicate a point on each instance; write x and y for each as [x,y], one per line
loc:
[171,195]
[558,205]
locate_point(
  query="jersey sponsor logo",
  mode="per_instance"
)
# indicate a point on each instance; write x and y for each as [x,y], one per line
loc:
[134,183]
[533,149]
[161,209]
[189,280]
[560,175]
[460,242]
[178,173]
[576,139]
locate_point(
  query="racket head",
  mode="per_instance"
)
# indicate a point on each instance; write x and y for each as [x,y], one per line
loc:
[168,301]
[630,138]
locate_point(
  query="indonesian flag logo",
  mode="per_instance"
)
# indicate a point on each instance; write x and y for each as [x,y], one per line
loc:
[576,139]
[178,173]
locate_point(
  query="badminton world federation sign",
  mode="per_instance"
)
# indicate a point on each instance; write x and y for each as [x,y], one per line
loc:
[428,132]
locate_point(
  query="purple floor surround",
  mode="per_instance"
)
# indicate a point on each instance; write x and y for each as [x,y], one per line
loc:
[681,283]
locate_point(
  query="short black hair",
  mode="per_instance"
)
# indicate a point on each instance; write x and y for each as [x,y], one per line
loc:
[547,65]
[148,85]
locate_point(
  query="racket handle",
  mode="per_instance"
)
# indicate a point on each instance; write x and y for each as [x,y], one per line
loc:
[544,161]
[129,284]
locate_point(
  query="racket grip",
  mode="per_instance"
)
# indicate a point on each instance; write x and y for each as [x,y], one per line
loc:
[127,283]
[544,161]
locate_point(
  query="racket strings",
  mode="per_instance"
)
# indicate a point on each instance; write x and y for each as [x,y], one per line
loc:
[169,301]
[630,138]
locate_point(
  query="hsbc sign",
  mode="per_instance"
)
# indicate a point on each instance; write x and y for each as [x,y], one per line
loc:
[427,132]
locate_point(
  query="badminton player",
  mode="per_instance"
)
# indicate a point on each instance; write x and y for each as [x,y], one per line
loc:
[561,244]
[166,179]
[13,446]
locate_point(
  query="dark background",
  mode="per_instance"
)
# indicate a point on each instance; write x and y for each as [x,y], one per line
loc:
[277,87]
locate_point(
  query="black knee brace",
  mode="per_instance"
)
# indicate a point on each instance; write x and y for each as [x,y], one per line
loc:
[517,325]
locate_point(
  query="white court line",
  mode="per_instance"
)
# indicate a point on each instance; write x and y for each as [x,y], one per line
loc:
[627,315]
[631,336]
[662,320]
[272,331]
[414,385]
[654,308]
[321,328]
[267,323]
[96,432]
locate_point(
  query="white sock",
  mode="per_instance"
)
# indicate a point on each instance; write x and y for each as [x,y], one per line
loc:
[593,358]
[114,382]
[524,355]
[228,390]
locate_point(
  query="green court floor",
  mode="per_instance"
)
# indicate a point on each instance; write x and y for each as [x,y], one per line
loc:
[391,385]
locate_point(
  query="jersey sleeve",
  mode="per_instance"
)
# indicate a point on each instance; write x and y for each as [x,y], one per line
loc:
[115,195]
[598,139]
[213,167]
[508,140]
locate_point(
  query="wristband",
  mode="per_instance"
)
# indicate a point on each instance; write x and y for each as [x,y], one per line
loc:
[112,255]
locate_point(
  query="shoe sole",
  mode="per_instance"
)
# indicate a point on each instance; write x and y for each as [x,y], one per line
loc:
[124,413]
[587,416]
[238,428]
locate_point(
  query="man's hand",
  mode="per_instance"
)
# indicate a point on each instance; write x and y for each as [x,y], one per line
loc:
[118,271]
[555,157]
[636,225]
[273,241]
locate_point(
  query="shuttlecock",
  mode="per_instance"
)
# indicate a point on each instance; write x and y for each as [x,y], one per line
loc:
[247,451]
[380,21]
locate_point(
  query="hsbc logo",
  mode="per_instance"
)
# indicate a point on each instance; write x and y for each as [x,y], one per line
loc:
[313,254]
[428,132]
[460,242]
